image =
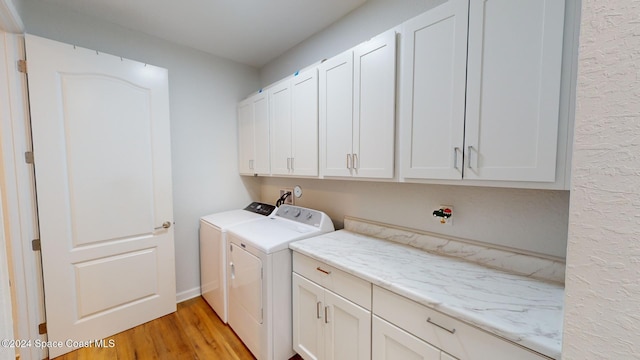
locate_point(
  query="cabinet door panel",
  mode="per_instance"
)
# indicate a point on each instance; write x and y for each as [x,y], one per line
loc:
[245,137]
[336,114]
[433,83]
[374,109]
[347,329]
[261,134]
[305,124]
[280,107]
[513,87]
[390,343]
[308,317]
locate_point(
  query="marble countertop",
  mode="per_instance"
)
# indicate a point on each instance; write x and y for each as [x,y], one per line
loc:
[525,311]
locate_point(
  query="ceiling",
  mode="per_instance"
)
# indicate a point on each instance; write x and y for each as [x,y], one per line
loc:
[251,32]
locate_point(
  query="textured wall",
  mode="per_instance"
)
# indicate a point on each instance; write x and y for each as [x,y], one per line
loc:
[602,304]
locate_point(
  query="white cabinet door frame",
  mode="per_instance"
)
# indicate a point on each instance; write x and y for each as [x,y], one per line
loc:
[304,144]
[432,86]
[374,86]
[513,89]
[336,115]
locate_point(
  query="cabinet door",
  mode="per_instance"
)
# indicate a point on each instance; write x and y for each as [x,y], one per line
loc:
[308,318]
[336,115]
[390,343]
[513,88]
[245,137]
[432,92]
[280,107]
[347,332]
[374,107]
[261,164]
[305,124]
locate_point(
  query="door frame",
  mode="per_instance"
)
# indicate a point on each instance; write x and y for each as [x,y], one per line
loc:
[18,185]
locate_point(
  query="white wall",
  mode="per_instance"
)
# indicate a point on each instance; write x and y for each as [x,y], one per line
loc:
[203,92]
[529,220]
[602,299]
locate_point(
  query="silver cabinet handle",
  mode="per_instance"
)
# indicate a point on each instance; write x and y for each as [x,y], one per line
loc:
[292,164]
[348,161]
[469,148]
[326,314]
[452,331]
[165,225]
[355,161]
[455,157]
[318,307]
[288,163]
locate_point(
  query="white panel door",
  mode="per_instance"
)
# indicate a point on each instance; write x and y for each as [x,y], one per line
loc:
[336,115]
[347,332]
[374,107]
[513,87]
[103,175]
[280,107]
[261,164]
[391,343]
[246,143]
[308,317]
[304,149]
[432,100]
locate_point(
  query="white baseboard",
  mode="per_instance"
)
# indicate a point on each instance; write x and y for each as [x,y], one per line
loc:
[189,294]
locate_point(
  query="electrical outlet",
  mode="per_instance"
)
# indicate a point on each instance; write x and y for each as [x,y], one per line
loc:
[289,200]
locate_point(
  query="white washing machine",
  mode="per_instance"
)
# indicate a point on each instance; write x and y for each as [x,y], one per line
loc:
[260,278]
[213,252]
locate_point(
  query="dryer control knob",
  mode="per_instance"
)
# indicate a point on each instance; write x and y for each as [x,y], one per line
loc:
[296,213]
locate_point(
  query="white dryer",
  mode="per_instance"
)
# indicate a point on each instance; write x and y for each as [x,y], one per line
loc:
[213,252]
[260,278]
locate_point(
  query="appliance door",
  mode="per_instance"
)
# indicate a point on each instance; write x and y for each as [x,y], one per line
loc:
[213,281]
[245,296]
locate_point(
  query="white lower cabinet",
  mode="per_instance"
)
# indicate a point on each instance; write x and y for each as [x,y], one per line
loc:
[327,325]
[390,343]
[457,339]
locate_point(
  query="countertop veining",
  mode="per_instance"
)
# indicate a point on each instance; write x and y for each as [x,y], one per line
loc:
[525,311]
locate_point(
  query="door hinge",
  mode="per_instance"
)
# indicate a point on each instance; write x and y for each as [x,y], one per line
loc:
[28,157]
[42,328]
[35,245]
[22,66]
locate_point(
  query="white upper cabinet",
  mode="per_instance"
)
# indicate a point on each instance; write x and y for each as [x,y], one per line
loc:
[336,115]
[280,107]
[513,89]
[253,135]
[434,65]
[486,106]
[304,148]
[294,125]
[357,110]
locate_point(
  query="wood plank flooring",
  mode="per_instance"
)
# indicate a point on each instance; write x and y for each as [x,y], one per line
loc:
[193,332]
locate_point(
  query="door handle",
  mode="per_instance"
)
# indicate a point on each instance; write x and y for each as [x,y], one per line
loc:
[165,225]
[355,161]
[348,161]
[318,311]
[326,314]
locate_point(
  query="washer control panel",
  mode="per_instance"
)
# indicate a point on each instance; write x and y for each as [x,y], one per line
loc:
[260,208]
[302,215]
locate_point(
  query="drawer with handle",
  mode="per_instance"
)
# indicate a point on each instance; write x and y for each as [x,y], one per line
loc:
[342,283]
[457,338]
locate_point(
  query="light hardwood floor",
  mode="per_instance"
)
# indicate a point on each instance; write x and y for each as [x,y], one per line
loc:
[193,332]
